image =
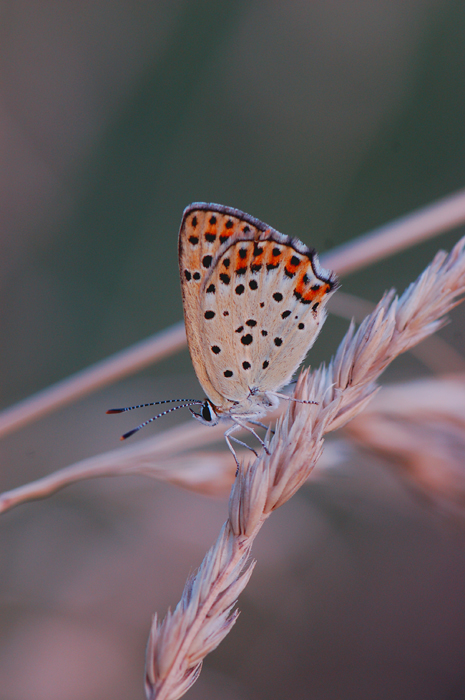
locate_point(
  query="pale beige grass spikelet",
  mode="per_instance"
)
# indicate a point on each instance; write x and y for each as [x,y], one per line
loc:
[205,614]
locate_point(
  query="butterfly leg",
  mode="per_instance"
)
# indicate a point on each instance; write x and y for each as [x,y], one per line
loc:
[262,425]
[251,430]
[228,437]
[244,444]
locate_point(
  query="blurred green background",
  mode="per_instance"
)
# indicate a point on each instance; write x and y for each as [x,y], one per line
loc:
[324,119]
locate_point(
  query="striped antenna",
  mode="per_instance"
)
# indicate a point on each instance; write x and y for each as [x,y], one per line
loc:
[152,403]
[193,402]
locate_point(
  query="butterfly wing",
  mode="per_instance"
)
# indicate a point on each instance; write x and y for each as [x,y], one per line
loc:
[205,229]
[253,301]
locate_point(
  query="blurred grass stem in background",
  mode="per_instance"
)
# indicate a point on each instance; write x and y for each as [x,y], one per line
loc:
[432,220]
[105,372]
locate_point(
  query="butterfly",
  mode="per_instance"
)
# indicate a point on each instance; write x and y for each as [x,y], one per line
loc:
[254,302]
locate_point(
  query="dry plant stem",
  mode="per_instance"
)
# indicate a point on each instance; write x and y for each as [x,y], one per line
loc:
[138,458]
[424,223]
[209,473]
[204,615]
[101,374]
[434,219]
[159,457]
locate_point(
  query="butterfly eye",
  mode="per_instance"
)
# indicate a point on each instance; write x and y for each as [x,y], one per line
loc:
[206,412]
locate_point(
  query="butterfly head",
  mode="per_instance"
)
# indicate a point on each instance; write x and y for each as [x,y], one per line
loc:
[207,414]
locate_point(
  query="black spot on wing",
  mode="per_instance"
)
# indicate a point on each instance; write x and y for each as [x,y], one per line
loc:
[246,339]
[215,349]
[209,314]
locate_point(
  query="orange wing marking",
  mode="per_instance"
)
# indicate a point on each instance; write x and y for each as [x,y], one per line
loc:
[227,230]
[243,255]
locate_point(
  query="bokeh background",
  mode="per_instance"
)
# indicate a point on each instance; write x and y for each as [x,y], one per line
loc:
[324,119]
